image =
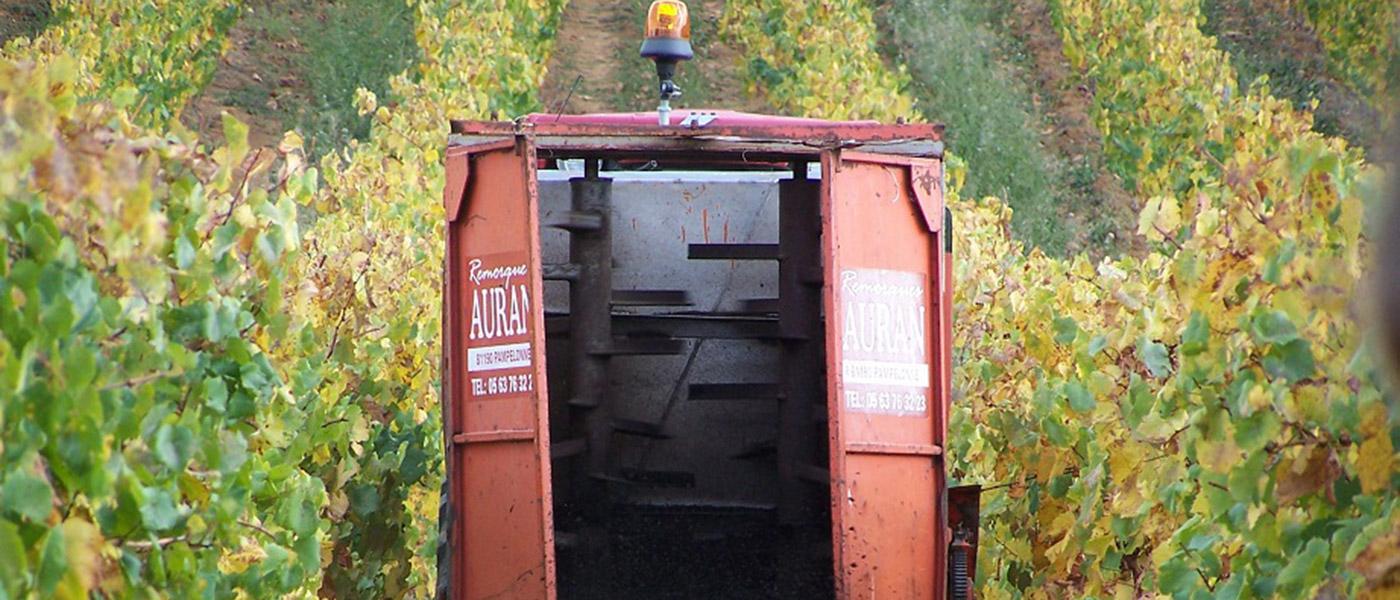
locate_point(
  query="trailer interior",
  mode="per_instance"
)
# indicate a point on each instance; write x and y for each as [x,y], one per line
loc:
[677,340]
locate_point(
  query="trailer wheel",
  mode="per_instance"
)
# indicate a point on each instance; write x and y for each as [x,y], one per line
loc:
[444,545]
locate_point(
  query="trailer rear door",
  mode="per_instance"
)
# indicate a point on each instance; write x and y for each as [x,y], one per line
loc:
[886,305]
[501,535]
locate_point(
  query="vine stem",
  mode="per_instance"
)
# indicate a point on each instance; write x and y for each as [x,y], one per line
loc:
[140,380]
[237,199]
[142,545]
[259,528]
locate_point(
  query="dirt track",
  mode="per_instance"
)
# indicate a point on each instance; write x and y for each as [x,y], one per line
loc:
[597,47]
[1068,105]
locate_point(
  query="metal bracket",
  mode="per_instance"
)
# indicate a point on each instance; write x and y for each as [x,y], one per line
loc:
[697,120]
[927,187]
[458,172]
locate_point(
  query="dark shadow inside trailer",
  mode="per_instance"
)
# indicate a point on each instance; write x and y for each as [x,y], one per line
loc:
[686,366]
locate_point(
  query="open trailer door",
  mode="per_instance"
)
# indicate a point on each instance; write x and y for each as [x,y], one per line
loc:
[887,310]
[501,533]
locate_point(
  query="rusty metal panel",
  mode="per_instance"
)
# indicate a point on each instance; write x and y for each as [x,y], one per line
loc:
[685,118]
[711,135]
[726,124]
[498,447]
[887,376]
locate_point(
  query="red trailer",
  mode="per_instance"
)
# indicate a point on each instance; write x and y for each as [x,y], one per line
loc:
[707,360]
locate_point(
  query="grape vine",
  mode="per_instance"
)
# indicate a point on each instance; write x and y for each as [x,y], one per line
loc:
[200,399]
[1201,421]
[148,56]
[817,58]
[259,406]
[1362,39]
[149,442]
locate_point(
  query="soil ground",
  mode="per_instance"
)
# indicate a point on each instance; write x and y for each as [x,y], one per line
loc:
[1067,102]
[22,18]
[582,70]
[293,64]
[1019,116]
[257,77]
[596,58]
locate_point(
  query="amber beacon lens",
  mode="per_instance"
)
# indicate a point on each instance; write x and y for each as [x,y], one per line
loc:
[668,32]
[668,19]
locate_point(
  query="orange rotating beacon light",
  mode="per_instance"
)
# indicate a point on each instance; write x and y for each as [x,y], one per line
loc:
[667,43]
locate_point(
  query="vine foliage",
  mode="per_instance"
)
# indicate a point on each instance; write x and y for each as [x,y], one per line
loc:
[220,365]
[1200,421]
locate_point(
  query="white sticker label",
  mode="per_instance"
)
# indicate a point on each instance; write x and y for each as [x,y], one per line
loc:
[500,301]
[884,341]
[499,318]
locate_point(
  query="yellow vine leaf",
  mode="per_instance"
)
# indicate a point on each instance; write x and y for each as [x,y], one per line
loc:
[1160,217]
[1375,463]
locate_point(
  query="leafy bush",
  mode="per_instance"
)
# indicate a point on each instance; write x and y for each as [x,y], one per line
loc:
[1229,359]
[258,410]
[817,59]
[1362,38]
[1202,421]
[151,56]
[150,443]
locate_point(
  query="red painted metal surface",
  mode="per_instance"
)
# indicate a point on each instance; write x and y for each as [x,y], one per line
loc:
[727,118]
[887,299]
[498,449]
[739,127]
[887,376]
